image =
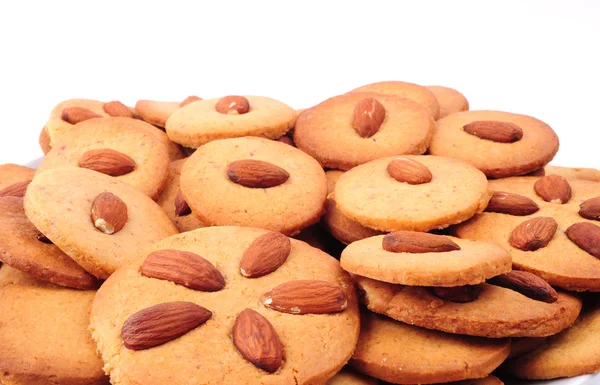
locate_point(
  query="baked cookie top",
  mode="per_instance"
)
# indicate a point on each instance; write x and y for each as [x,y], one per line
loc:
[354,128]
[449,99]
[347,377]
[500,144]
[322,312]
[582,173]
[11,276]
[156,112]
[254,182]
[14,179]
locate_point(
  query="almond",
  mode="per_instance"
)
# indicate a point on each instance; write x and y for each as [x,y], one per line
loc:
[590,208]
[233,105]
[265,255]
[416,242]
[368,116]
[183,268]
[181,206]
[528,284]
[189,100]
[501,132]
[533,234]
[76,115]
[306,297]
[513,204]
[15,190]
[256,173]
[107,161]
[117,109]
[257,341]
[586,235]
[162,323]
[287,140]
[409,171]
[109,213]
[459,294]
[553,189]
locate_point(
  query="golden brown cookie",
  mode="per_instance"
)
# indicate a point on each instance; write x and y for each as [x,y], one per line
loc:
[489,380]
[449,99]
[14,179]
[582,173]
[351,129]
[12,276]
[157,112]
[348,377]
[44,141]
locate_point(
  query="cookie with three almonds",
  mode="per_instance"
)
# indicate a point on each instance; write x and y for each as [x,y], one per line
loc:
[582,173]
[158,112]
[351,129]
[264,293]
[14,179]
[449,99]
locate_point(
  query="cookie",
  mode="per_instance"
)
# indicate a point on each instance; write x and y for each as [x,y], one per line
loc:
[351,129]
[230,117]
[461,263]
[554,256]
[521,346]
[411,91]
[63,204]
[449,99]
[12,276]
[497,312]
[44,141]
[158,112]
[490,380]
[116,147]
[22,247]
[44,337]
[405,354]
[217,347]
[582,173]
[254,182]
[500,144]
[347,377]
[424,193]
[14,179]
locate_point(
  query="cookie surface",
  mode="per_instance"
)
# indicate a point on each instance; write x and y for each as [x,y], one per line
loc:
[347,377]
[490,380]
[369,195]
[533,150]
[44,141]
[156,112]
[405,354]
[449,99]
[327,131]
[217,200]
[11,174]
[56,127]
[582,173]
[208,351]
[58,202]
[12,276]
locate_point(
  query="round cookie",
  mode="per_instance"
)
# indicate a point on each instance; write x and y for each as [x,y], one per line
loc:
[582,173]
[496,313]
[12,276]
[328,131]
[411,91]
[14,179]
[347,377]
[489,380]
[117,134]
[156,112]
[369,195]
[496,159]
[405,354]
[59,203]
[44,141]
[315,346]
[21,249]
[449,99]
[473,263]
[199,123]
[217,200]
[562,263]
[44,337]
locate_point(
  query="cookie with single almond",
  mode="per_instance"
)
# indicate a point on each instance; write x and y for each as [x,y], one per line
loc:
[14,179]
[449,99]
[158,112]
[582,173]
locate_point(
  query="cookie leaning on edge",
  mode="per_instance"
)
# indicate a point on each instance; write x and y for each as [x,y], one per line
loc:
[449,99]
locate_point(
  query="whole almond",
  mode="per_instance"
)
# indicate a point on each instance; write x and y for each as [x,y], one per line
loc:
[416,242]
[533,234]
[117,109]
[459,294]
[528,284]
[183,268]
[586,235]
[15,190]
[107,161]
[501,132]
[368,116]
[189,100]
[256,173]
[181,206]
[590,208]
[109,213]
[162,323]
[233,105]
[265,255]
[513,204]
[306,297]
[257,341]
[409,171]
[553,189]
[76,115]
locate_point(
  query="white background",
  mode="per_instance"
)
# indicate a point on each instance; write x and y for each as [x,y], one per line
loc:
[534,57]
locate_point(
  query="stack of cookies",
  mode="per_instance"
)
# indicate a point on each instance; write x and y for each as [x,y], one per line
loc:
[385,235]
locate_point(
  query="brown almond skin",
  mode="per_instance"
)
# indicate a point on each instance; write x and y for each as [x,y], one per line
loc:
[257,341]
[256,173]
[76,115]
[500,132]
[107,161]
[306,297]
[265,255]
[162,323]
[553,189]
[188,100]
[109,213]
[15,190]
[528,284]
[590,208]
[181,206]
[117,109]
[416,242]
[409,171]
[233,105]
[459,294]
[368,116]
[183,268]
[533,234]
[586,235]
[513,204]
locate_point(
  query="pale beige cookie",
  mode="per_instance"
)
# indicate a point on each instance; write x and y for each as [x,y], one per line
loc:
[449,99]
[582,173]
[14,179]
[347,377]
[158,112]
[44,141]
[12,276]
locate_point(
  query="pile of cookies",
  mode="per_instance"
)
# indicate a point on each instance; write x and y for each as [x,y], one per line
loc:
[385,235]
